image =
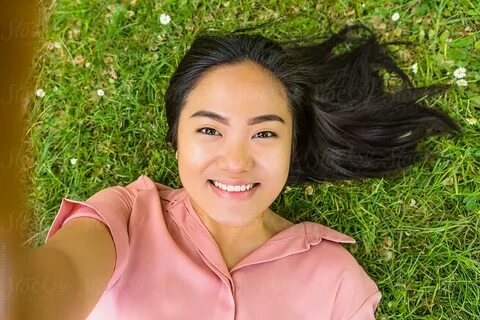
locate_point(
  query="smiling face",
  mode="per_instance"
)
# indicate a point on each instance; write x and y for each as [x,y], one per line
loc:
[237,149]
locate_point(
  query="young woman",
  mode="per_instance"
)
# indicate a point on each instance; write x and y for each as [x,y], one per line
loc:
[247,116]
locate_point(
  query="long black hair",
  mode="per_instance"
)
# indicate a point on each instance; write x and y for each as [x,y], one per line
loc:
[346,125]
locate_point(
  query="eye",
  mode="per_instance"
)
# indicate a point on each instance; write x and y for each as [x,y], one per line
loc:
[207,130]
[272,135]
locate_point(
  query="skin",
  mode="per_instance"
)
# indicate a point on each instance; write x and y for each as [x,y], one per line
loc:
[236,151]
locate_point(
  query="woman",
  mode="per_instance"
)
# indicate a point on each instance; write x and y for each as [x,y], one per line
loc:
[247,117]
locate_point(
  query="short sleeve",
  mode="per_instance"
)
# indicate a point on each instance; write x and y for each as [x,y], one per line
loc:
[367,309]
[113,207]
[83,211]
[357,296]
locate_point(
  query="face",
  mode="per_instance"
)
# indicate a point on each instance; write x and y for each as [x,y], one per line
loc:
[233,148]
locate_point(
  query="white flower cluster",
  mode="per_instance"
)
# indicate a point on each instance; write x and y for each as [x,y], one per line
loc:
[459,74]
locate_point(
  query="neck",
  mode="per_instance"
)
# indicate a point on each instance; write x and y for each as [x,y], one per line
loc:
[235,243]
[255,231]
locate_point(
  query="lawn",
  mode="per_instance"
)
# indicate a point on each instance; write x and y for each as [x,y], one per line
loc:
[97,119]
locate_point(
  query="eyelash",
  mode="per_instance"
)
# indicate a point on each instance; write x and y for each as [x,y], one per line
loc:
[273,135]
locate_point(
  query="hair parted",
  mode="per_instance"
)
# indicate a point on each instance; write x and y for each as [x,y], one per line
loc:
[345,124]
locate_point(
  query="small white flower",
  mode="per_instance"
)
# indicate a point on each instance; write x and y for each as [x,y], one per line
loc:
[130,13]
[287,189]
[462,83]
[363,5]
[471,121]
[100,93]
[40,93]
[414,68]
[388,254]
[460,73]
[165,19]
[108,166]
[87,65]
[309,190]
[57,45]
[73,161]
[395,16]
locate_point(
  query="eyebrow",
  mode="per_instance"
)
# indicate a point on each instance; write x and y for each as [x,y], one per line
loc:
[225,121]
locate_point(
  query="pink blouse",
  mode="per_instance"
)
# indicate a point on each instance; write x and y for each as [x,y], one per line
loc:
[168,266]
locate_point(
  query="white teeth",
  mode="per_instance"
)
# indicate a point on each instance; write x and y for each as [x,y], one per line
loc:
[228,188]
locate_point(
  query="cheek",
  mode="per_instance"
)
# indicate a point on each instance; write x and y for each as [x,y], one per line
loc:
[275,160]
[195,156]
[190,147]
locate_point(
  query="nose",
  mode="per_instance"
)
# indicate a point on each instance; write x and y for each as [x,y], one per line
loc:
[236,157]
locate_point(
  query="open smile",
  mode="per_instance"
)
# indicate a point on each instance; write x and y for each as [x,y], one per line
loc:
[235,195]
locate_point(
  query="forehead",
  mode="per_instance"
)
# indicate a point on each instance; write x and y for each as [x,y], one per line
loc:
[241,90]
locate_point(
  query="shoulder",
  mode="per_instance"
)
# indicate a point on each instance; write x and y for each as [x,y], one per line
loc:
[327,243]
[127,194]
[328,246]
[355,291]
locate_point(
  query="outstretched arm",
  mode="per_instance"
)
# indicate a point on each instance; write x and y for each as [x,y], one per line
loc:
[64,278]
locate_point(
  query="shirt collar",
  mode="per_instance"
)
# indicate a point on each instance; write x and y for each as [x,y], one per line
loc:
[297,238]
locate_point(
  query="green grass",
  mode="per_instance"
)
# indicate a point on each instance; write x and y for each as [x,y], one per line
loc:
[417,234]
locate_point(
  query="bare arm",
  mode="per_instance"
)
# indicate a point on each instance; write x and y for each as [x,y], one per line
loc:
[64,278]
